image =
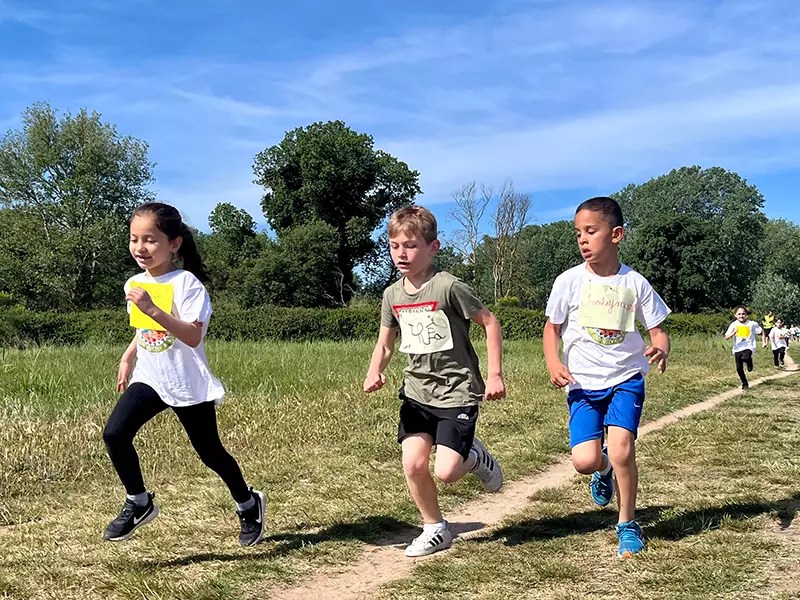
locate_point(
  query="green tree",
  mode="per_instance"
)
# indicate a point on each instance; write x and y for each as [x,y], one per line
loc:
[722,200]
[331,173]
[299,269]
[680,257]
[545,252]
[781,249]
[68,185]
[779,295]
[233,238]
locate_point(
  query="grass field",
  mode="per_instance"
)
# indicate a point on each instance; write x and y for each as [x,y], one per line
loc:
[296,419]
[720,498]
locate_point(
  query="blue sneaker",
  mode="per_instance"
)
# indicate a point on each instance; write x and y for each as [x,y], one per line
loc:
[631,540]
[602,486]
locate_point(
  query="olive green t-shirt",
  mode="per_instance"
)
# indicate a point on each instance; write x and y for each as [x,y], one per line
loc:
[434,322]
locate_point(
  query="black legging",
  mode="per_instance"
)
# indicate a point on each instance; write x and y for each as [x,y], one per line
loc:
[778,356]
[137,406]
[745,357]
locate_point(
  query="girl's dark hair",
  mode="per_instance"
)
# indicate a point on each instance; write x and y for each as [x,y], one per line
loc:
[169,220]
[747,310]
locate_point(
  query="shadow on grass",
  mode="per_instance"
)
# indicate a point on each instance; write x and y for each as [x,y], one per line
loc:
[658,522]
[376,530]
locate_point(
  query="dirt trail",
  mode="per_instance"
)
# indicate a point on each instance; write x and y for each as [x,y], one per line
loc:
[385,562]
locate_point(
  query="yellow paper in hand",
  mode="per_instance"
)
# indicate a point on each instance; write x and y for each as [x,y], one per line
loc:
[743,331]
[161,293]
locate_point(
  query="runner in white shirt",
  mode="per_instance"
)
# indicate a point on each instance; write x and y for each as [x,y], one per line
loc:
[171,371]
[592,310]
[744,330]
[779,342]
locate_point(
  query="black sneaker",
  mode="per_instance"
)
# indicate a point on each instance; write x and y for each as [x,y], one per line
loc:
[252,520]
[130,519]
[745,387]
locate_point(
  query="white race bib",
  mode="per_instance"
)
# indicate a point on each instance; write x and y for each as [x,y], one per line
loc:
[423,329]
[607,307]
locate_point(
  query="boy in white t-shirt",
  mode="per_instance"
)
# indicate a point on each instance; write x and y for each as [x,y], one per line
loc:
[592,309]
[779,341]
[744,346]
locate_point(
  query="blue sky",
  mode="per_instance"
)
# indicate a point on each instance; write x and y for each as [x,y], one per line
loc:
[569,98]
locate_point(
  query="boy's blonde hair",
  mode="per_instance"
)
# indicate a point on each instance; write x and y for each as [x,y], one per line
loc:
[414,220]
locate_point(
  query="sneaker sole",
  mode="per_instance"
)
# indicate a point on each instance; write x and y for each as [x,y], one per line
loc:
[497,481]
[629,554]
[153,514]
[262,500]
[613,493]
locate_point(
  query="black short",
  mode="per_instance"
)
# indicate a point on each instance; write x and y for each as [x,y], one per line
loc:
[450,427]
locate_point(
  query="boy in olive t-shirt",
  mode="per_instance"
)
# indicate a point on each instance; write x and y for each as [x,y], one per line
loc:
[442,384]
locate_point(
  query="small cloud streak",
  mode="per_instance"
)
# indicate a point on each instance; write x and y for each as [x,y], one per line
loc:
[555,95]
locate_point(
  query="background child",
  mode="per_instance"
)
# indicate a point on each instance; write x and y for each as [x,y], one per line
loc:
[592,309]
[745,331]
[171,371]
[768,323]
[779,341]
[443,384]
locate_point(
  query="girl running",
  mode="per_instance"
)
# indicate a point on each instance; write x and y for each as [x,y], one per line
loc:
[171,371]
[745,331]
[779,341]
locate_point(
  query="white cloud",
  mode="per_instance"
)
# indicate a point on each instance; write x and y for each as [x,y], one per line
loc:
[556,95]
[605,147]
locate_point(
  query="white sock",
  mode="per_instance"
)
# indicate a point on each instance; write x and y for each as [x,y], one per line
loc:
[472,461]
[605,470]
[434,526]
[247,505]
[142,499]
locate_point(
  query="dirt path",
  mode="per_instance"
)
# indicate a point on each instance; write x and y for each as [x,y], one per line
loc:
[385,562]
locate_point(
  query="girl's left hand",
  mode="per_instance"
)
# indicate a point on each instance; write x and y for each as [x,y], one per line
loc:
[142,300]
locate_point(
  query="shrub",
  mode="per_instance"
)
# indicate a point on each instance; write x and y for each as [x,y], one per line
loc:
[509,302]
[20,326]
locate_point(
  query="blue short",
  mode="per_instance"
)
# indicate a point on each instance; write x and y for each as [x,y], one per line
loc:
[618,406]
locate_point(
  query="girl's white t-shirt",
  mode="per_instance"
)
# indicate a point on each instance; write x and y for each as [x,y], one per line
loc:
[601,345]
[778,338]
[744,342]
[177,372]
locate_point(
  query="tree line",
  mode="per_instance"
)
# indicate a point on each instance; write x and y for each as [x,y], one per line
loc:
[69,182]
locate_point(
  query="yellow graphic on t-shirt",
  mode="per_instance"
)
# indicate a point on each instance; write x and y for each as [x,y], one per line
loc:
[743,331]
[162,294]
[423,329]
[607,307]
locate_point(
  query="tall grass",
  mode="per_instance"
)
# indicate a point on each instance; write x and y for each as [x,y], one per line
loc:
[303,431]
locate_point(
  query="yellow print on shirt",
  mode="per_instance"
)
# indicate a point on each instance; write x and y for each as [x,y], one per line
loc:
[743,331]
[607,312]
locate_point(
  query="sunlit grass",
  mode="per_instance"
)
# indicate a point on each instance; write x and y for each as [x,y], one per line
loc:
[296,419]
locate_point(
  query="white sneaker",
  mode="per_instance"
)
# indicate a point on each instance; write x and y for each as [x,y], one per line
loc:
[487,469]
[430,541]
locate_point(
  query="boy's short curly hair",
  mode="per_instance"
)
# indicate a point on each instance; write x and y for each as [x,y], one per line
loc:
[414,220]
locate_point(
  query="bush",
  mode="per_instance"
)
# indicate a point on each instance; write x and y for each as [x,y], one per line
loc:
[520,323]
[509,302]
[300,324]
[19,326]
[687,324]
